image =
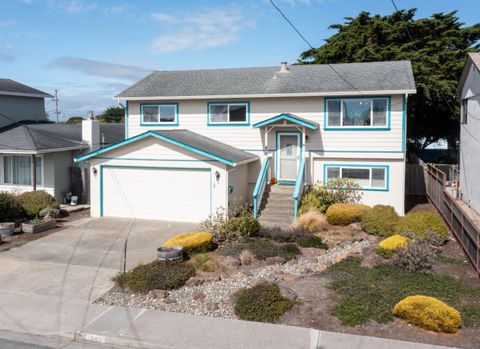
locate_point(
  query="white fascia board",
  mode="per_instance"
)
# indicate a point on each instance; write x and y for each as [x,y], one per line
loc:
[246,161]
[308,94]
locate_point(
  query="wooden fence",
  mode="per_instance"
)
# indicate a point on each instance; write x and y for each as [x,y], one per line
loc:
[461,225]
[415,180]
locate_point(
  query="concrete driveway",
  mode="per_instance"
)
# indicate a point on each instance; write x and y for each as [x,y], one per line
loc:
[47,286]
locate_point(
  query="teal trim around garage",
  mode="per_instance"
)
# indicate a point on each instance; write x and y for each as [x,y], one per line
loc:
[152,159]
[156,135]
[359,128]
[153,167]
[292,118]
[386,167]
[159,124]
[228,124]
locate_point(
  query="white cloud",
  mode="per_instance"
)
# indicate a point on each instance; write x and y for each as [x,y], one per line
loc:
[7,53]
[199,30]
[68,6]
[100,69]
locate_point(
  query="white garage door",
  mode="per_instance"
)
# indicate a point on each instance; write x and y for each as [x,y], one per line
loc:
[156,193]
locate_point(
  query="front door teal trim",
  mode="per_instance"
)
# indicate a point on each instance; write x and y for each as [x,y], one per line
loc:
[277,155]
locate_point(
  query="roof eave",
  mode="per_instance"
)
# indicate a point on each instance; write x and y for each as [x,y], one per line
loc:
[269,95]
[21,94]
[42,151]
[291,118]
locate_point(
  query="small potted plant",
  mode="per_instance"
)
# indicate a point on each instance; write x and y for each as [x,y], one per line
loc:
[44,222]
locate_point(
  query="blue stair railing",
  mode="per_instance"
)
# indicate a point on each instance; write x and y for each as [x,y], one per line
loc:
[299,187]
[260,187]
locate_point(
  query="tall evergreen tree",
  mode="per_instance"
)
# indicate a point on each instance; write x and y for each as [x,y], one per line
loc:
[437,48]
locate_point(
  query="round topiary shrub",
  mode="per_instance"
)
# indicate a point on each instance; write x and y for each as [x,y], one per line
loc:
[33,202]
[429,313]
[199,242]
[344,214]
[9,208]
[422,224]
[262,303]
[156,276]
[381,220]
[387,246]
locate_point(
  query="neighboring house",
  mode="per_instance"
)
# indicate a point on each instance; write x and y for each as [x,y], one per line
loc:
[469,93]
[199,140]
[37,154]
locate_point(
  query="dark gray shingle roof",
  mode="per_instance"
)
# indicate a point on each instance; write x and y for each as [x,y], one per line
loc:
[207,145]
[311,78]
[8,86]
[45,137]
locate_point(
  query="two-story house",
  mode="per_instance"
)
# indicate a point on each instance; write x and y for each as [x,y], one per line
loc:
[36,154]
[469,94]
[198,140]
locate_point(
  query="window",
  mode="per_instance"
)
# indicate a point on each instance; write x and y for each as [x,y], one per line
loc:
[464,110]
[367,177]
[17,170]
[357,113]
[228,113]
[159,114]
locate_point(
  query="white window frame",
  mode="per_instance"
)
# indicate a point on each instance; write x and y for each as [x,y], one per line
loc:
[229,123]
[2,168]
[371,127]
[159,122]
[385,169]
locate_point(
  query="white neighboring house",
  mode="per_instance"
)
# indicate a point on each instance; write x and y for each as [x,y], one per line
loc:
[469,93]
[198,140]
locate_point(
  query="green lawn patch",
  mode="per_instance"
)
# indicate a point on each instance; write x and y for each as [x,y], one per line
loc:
[449,260]
[370,294]
[8,246]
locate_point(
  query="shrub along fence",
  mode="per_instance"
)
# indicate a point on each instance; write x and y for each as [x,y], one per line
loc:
[462,226]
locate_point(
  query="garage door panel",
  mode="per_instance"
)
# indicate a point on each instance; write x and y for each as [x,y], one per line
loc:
[156,193]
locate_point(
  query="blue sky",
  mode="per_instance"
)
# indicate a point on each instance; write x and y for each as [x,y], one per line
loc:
[92,49]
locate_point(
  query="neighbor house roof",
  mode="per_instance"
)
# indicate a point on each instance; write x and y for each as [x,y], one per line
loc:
[304,80]
[49,137]
[288,117]
[187,140]
[473,58]
[14,88]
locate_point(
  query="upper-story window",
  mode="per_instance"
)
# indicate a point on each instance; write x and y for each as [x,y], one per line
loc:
[234,114]
[357,113]
[159,114]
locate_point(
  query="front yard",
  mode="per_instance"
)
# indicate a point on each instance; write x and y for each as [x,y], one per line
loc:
[320,275]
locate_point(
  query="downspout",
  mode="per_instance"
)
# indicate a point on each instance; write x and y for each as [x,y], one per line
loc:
[34,173]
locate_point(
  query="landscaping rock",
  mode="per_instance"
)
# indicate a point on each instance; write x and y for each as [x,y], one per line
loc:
[371,260]
[355,226]
[288,293]
[274,260]
[212,306]
[257,282]
[310,252]
[194,281]
[158,294]
[289,277]
[198,296]
[213,277]
[231,262]
[305,270]
[170,300]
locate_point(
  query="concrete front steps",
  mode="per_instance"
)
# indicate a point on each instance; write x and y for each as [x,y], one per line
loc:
[277,206]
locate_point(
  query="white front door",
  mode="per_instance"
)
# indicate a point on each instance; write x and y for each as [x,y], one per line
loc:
[288,155]
[173,194]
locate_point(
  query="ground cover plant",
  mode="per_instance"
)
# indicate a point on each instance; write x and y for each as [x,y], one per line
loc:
[262,303]
[370,294]
[312,241]
[156,276]
[423,224]
[261,249]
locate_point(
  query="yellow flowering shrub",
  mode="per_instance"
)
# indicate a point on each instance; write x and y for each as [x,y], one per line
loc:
[344,214]
[393,242]
[192,242]
[429,313]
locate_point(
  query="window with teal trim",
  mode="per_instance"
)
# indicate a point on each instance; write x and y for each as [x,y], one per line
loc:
[366,177]
[357,113]
[228,113]
[154,114]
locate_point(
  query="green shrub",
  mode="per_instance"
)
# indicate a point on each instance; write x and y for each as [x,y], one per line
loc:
[416,256]
[245,226]
[33,202]
[9,208]
[156,276]
[262,303]
[423,224]
[344,214]
[381,220]
[49,212]
[312,241]
[321,196]
[232,249]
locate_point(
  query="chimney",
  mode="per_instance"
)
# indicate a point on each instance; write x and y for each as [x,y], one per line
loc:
[283,67]
[91,132]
